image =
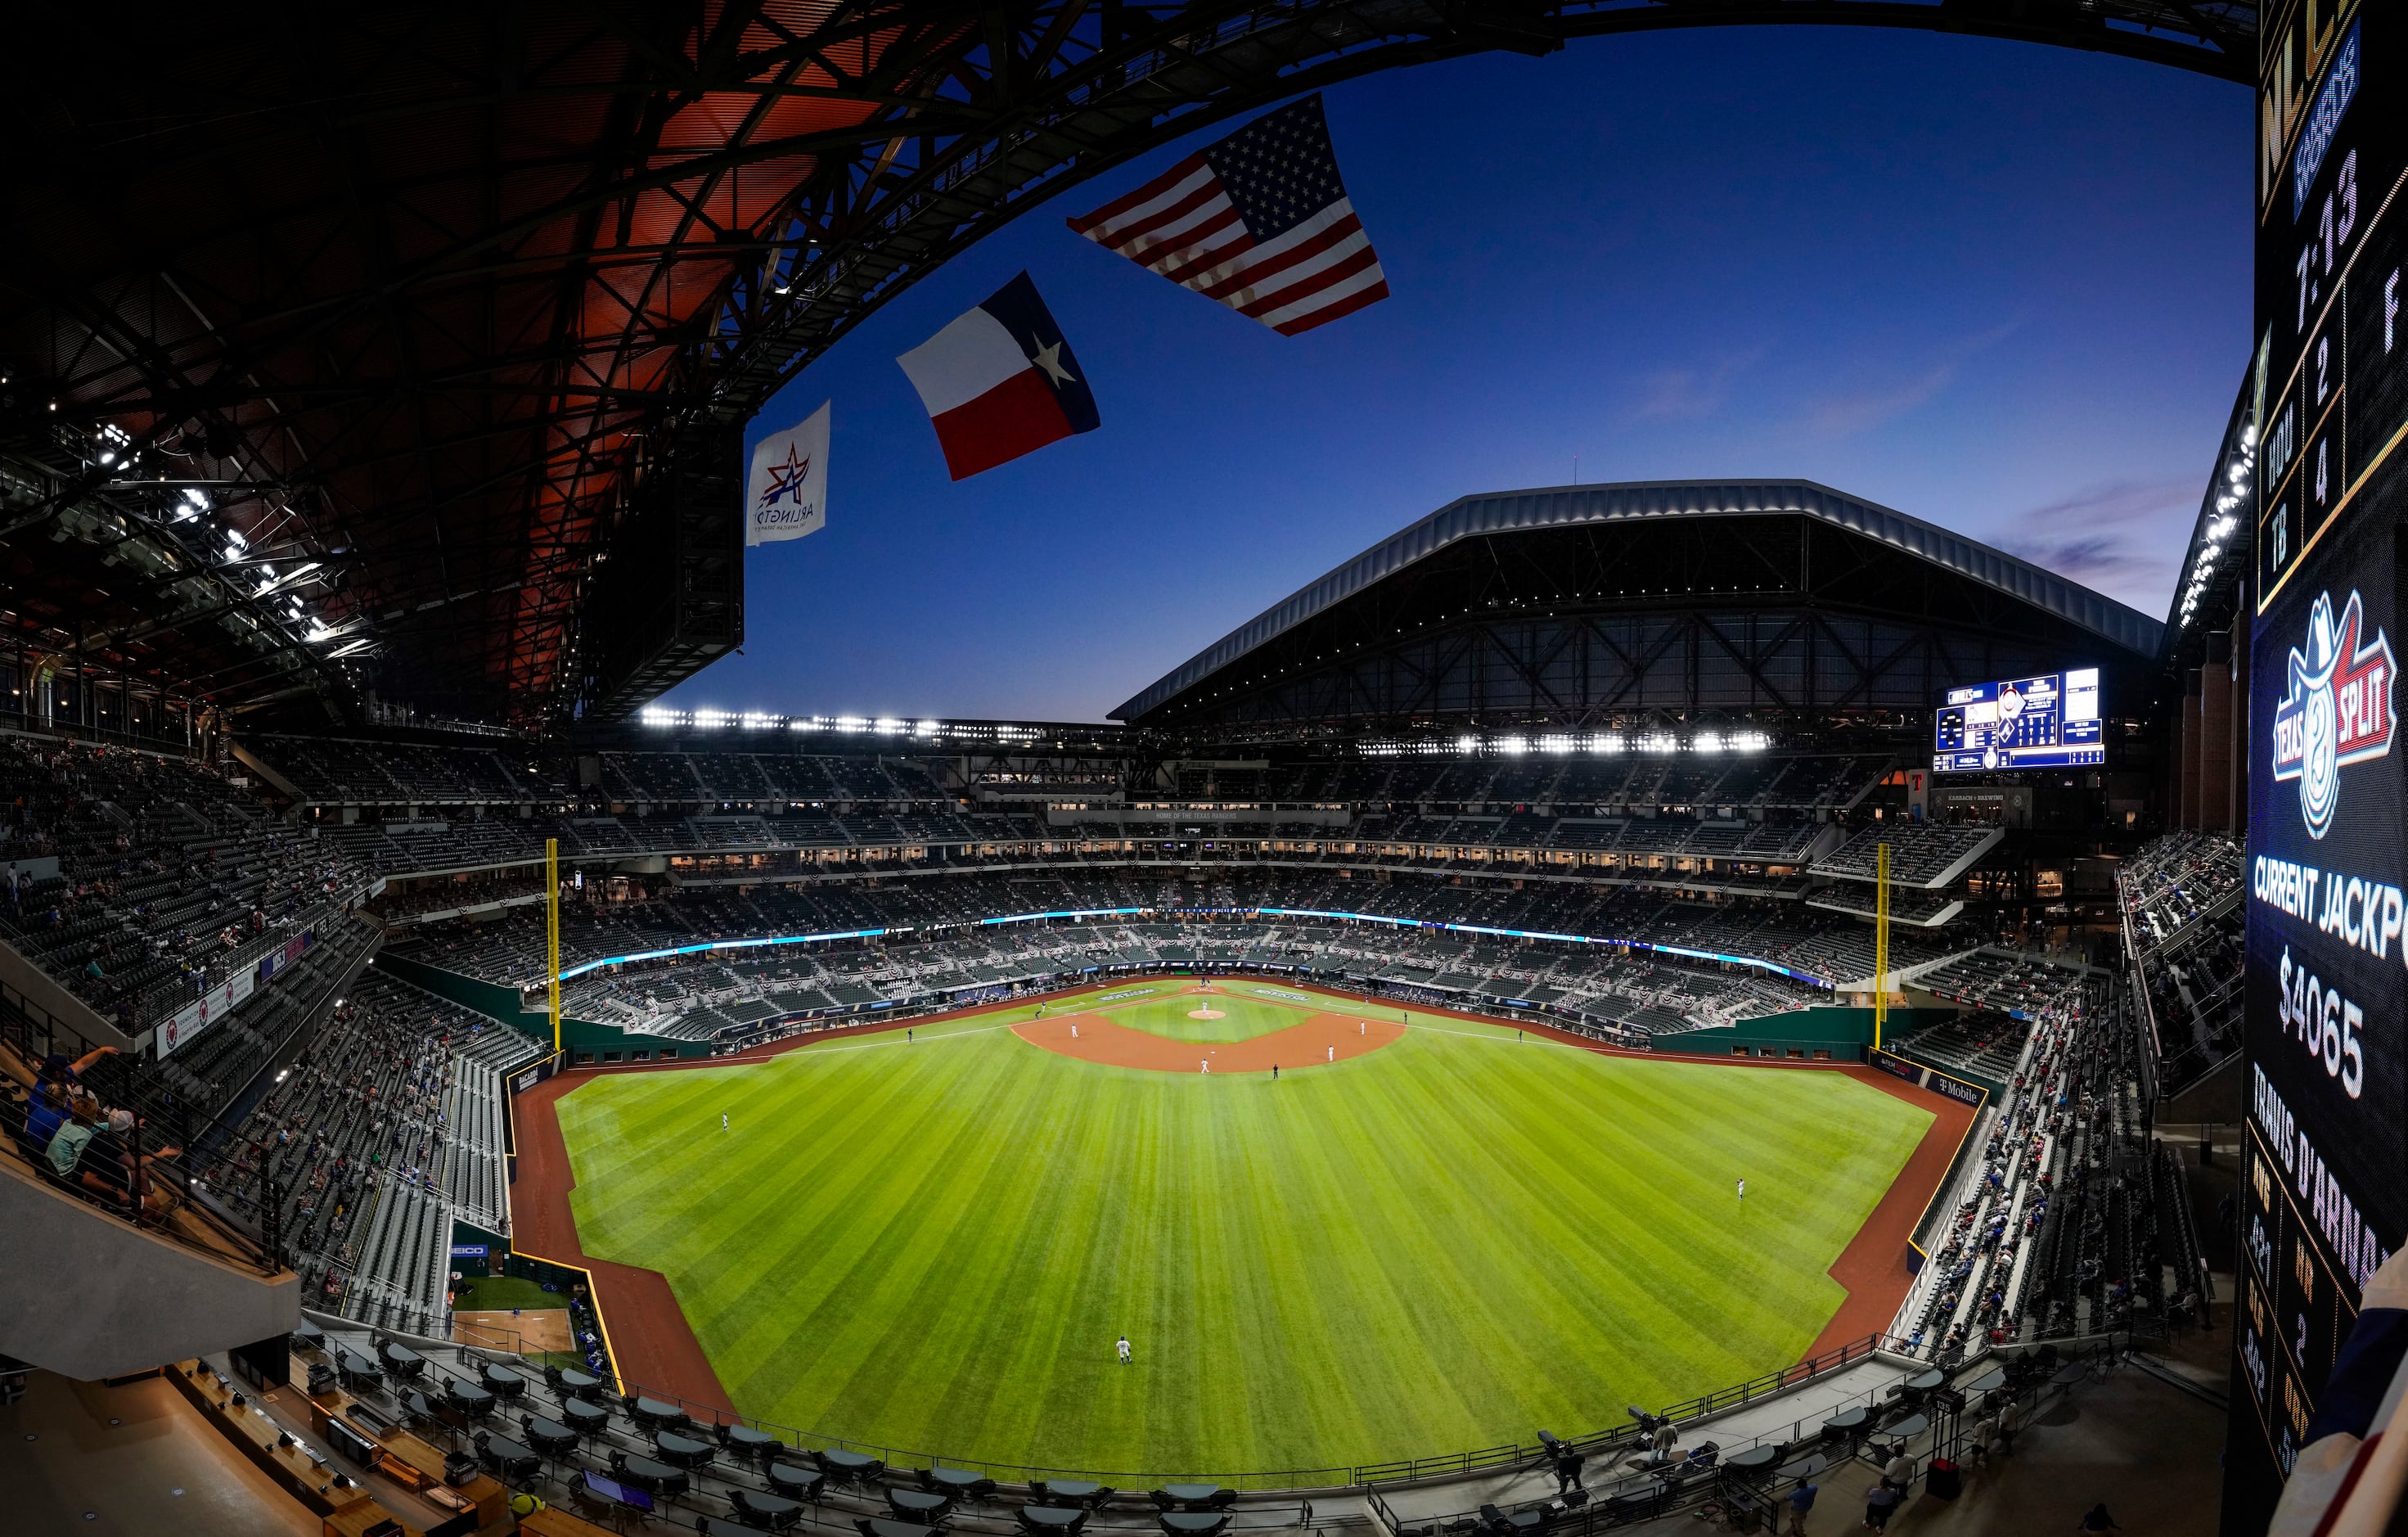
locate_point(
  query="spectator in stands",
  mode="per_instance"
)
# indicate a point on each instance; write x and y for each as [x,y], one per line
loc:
[67,1143]
[56,1069]
[111,1162]
[45,1113]
[1801,1504]
[2097,1519]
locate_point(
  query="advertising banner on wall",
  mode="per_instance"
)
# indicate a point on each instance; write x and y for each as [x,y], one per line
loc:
[292,949]
[195,1016]
[2325,1154]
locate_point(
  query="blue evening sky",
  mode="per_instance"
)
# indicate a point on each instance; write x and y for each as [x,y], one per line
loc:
[2001,287]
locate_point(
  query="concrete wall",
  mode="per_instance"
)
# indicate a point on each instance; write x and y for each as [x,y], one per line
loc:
[2187,770]
[43,994]
[2236,773]
[2215,736]
[87,1296]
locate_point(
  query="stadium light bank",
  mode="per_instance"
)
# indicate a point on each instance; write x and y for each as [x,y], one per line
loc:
[1510,744]
[1560,744]
[707,719]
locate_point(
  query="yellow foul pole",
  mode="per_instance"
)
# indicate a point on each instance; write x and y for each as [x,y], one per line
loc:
[551,932]
[1881,942]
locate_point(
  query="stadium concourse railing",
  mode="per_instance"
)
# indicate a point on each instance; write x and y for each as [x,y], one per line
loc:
[182,1196]
[1297,1480]
[1750,1499]
[1942,1202]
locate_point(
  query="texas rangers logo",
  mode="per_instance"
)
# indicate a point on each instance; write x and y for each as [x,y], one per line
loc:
[786,480]
[2338,709]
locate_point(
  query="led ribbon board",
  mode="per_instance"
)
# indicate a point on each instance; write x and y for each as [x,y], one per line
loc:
[1758,964]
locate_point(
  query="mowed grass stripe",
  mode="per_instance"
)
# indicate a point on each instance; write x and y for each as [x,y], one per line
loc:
[1424,1249]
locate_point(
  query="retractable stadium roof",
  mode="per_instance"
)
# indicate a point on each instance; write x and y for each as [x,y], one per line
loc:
[1657,577]
[455,314]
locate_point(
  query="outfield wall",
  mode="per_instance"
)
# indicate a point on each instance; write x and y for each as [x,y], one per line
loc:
[1904,1051]
[1843,1034]
[500,1004]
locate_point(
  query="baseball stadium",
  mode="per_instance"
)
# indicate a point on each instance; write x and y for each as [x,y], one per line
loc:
[1627,1005]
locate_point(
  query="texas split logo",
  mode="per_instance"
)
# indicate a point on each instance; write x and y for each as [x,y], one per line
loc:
[2337,710]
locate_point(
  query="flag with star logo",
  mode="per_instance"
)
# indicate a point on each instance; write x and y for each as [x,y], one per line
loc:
[1000,381]
[786,496]
[1259,220]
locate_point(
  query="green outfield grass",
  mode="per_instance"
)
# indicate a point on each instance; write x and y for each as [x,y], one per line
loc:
[1441,1245]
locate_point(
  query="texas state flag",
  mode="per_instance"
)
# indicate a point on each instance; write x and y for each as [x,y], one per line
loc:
[1000,381]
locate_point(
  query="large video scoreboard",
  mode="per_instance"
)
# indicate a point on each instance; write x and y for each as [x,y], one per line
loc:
[2325,1178]
[2048,720]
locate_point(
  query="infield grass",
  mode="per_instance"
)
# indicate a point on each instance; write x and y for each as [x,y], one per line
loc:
[1441,1245]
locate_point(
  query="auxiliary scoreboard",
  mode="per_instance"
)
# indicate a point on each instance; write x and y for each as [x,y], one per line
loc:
[2050,721]
[2325,1156]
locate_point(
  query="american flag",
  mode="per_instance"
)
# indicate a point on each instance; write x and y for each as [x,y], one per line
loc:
[1259,220]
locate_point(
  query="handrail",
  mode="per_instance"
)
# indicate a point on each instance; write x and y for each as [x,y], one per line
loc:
[2207,912]
[2190,1068]
[1358,1475]
[225,1236]
[246,954]
[1612,1506]
[213,1149]
[1942,1202]
[27,723]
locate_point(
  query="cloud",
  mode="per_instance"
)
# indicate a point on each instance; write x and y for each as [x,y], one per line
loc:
[1686,395]
[1845,415]
[2123,538]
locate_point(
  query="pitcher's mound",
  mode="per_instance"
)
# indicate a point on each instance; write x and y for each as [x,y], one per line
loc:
[1207,1014]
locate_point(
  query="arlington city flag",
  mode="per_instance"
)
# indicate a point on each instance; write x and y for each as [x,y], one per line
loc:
[787,496]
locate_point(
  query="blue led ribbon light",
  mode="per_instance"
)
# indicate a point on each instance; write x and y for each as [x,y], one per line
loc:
[1752,961]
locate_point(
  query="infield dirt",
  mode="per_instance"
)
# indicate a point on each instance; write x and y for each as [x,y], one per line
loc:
[1310,1045]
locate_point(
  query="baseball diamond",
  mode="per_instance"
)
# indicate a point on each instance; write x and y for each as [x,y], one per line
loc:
[1455,1227]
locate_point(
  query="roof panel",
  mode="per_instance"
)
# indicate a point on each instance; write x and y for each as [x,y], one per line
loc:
[1514,511]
